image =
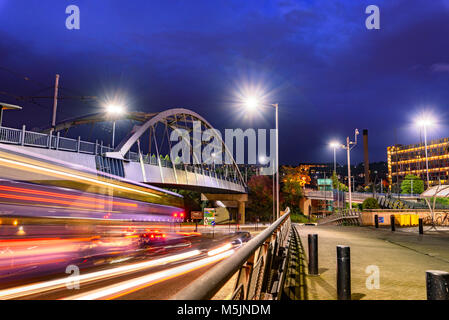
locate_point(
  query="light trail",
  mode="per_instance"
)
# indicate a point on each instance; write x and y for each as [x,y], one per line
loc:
[63,195]
[55,172]
[221,249]
[126,287]
[28,198]
[59,283]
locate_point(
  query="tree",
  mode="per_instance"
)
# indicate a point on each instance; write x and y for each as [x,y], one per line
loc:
[294,179]
[260,197]
[409,180]
[370,203]
[337,184]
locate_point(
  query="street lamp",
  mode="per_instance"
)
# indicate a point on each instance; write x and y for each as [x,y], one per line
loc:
[349,146]
[424,122]
[7,106]
[263,160]
[251,103]
[114,110]
[334,145]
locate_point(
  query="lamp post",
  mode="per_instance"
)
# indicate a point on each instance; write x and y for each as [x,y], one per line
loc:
[427,159]
[334,145]
[252,103]
[263,161]
[7,106]
[349,146]
[114,110]
[425,121]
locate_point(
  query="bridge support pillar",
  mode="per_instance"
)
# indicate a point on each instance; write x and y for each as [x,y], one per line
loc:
[241,212]
[305,205]
[239,199]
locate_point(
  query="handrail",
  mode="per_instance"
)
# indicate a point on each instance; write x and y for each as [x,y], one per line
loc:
[212,281]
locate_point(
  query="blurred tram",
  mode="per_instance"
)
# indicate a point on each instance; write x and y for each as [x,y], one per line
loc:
[31,187]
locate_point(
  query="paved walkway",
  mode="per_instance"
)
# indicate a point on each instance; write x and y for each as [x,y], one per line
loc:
[402,257]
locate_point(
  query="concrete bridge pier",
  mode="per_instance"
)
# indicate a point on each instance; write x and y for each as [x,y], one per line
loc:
[239,198]
[305,205]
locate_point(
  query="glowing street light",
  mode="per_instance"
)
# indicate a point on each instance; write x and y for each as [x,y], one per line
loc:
[423,122]
[114,110]
[252,103]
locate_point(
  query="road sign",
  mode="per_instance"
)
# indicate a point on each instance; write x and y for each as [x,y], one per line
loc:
[381,219]
[209,216]
[196,215]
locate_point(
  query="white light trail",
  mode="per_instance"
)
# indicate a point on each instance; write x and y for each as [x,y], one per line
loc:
[219,249]
[50,285]
[126,287]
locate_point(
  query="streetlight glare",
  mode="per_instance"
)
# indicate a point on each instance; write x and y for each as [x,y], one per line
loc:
[334,144]
[425,120]
[251,103]
[115,109]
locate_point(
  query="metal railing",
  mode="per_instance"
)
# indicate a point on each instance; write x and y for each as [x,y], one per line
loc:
[259,263]
[352,217]
[56,142]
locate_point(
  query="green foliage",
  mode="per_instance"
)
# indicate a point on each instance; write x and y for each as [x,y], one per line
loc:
[370,203]
[300,218]
[406,185]
[337,184]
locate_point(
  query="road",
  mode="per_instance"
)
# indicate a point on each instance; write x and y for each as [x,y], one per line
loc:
[109,266]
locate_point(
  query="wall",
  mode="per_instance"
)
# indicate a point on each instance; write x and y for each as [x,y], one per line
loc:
[368,216]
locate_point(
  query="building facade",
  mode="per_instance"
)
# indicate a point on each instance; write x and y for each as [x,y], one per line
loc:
[411,159]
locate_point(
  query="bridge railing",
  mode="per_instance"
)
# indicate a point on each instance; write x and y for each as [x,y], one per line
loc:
[56,142]
[261,264]
[352,216]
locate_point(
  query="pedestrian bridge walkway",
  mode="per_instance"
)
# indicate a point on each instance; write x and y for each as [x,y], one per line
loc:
[151,168]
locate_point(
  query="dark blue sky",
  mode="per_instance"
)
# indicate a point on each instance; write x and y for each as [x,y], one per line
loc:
[316,58]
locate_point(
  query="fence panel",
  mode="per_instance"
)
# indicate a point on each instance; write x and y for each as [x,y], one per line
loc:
[36,139]
[9,135]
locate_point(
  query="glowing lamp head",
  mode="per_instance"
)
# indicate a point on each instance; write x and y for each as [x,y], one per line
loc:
[251,103]
[115,109]
[334,144]
[424,122]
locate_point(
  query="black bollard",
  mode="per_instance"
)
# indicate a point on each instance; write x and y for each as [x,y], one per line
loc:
[421,230]
[343,273]
[437,283]
[376,221]
[313,253]
[392,222]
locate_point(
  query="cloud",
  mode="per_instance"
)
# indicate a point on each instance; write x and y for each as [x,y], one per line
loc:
[440,67]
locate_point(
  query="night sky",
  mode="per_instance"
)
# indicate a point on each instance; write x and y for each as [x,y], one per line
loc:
[328,73]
